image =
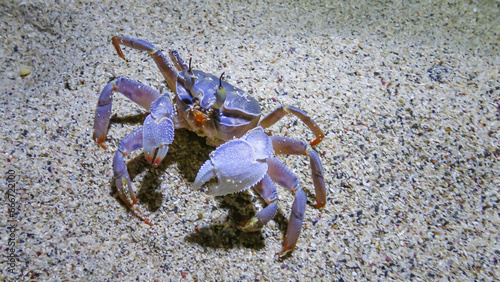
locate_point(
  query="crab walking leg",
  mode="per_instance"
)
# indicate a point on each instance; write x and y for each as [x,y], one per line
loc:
[166,69]
[135,91]
[267,190]
[288,146]
[178,62]
[280,174]
[130,143]
[281,111]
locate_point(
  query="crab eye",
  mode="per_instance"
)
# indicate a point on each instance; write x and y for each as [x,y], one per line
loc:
[189,78]
[220,94]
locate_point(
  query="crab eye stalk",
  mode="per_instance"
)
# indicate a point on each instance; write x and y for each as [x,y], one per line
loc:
[220,94]
[189,77]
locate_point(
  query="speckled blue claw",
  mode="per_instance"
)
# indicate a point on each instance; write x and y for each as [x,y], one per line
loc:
[238,164]
[158,130]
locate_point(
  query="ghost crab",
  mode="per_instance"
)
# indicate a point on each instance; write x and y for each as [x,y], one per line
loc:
[226,116]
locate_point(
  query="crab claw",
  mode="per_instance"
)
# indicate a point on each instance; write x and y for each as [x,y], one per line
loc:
[235,166]
[238,164]
[157,134]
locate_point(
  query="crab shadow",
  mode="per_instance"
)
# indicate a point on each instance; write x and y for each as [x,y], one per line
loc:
[189,151]
[228,235]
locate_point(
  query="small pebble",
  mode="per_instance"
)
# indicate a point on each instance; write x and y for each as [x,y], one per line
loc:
[24,70]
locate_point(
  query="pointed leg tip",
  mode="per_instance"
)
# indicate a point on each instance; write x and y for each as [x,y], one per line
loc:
[145,220]
[252,225]
[139,214]
[319,206]
[100,141]
[116,42]
[287,250]
[102,145]
[315,142]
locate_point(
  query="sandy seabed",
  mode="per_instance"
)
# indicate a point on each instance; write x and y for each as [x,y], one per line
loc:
[407,94]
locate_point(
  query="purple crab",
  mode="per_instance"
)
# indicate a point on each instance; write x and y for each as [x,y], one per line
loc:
[229,118]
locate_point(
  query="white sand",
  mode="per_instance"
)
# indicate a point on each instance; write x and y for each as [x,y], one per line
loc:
[407,94]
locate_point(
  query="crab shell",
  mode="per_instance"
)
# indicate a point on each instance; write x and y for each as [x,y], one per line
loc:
[239,113]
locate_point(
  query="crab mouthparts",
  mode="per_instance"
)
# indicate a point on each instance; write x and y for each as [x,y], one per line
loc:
[199,116]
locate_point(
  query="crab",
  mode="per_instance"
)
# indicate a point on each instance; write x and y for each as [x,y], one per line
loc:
[230,119]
